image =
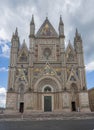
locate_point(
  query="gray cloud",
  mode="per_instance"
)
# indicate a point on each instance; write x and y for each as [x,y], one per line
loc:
[75,13]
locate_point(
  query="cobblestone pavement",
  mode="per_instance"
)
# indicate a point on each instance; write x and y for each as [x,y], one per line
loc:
[48,125]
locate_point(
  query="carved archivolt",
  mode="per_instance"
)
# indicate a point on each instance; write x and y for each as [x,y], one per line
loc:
[47,80]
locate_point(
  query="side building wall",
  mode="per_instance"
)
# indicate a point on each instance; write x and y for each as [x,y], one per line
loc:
[91,99]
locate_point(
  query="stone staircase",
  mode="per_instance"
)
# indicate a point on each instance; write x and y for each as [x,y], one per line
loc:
[47,116]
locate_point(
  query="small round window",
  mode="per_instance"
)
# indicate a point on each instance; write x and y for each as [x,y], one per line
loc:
[47,52]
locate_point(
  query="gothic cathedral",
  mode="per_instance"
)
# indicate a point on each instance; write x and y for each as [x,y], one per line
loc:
[46,77]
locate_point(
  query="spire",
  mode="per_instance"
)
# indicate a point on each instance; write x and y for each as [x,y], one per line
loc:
[61,22]
[76,33]
[15,35]
[61,27]
[15,39]
[78,41]
[32,27]
[16,32]
[32,21]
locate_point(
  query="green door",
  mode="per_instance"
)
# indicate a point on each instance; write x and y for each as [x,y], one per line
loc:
[47,103]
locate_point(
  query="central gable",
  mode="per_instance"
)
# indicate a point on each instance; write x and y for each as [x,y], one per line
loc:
[46,30]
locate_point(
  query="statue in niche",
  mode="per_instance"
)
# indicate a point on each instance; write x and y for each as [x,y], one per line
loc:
[47,53]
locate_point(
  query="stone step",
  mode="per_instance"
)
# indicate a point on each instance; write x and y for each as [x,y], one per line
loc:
[48,115]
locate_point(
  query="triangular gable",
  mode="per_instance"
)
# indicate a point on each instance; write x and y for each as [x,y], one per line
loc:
[73,77]
[23,53]
[69,48]
[23,49]
[70,53]
[24,46]
[46,30]
[48,70]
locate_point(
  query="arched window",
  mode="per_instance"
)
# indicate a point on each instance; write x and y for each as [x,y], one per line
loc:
[47,89]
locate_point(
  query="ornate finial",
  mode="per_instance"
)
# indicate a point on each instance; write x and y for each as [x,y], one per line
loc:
[16,32]
[46,16]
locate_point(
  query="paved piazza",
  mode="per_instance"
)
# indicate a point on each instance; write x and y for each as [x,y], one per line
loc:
[48,125]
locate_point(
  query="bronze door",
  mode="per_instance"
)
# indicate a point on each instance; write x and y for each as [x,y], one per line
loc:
[47,103]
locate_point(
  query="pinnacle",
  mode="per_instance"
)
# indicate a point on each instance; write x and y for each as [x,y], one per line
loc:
[61,22]
[76,32]
[16,32]
[32,21]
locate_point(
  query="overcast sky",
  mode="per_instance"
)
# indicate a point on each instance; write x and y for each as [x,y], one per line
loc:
[75,13]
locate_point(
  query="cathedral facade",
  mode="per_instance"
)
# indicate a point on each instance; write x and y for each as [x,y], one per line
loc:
[46,77]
